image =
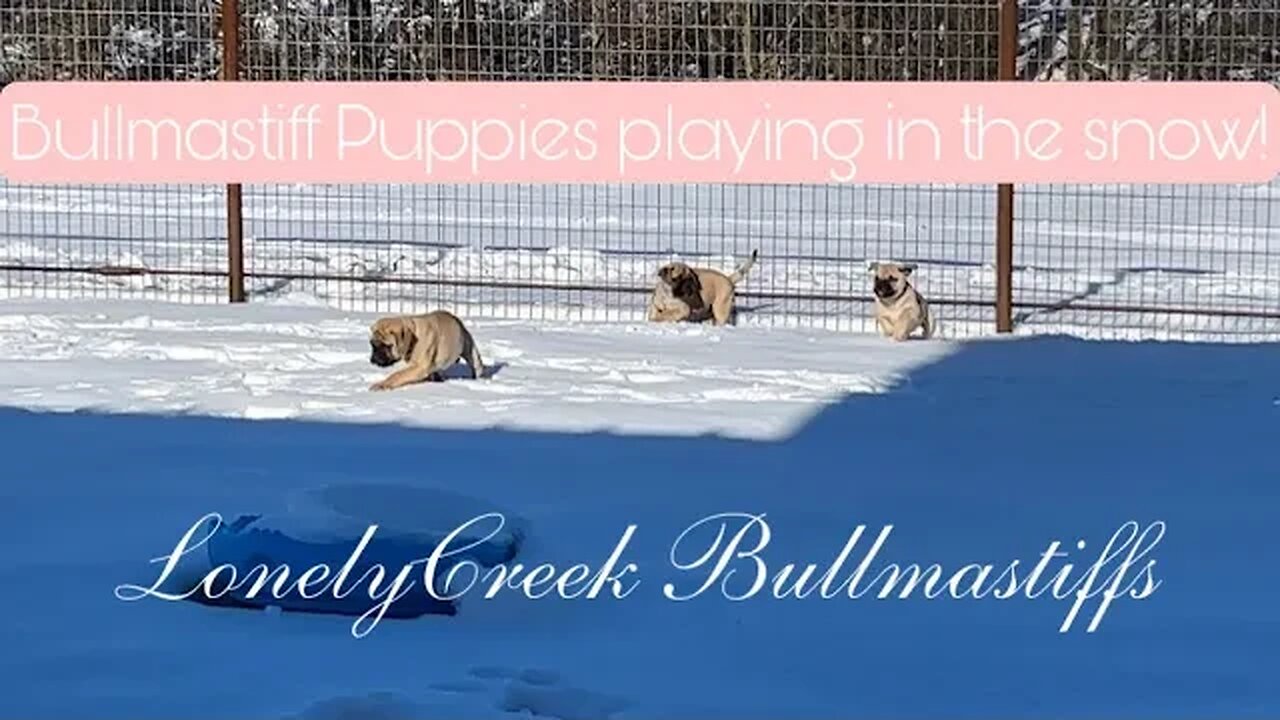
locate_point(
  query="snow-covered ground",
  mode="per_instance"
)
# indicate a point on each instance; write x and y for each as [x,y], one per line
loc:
[276,360]
[126,421]
[589,253]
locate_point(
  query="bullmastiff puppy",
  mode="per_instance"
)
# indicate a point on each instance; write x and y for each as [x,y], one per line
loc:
[684,293]
[675,300]
[900,308]
[428,344]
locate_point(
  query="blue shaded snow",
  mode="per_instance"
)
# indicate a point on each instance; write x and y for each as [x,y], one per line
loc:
[991,454]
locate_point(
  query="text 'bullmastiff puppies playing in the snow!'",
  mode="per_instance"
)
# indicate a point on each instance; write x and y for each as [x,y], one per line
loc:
[900,308]
[685,293]
[428,344]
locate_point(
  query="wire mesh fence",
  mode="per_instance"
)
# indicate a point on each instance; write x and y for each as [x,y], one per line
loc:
[590,251]
[1165,261]
[1150,260]
[94,241]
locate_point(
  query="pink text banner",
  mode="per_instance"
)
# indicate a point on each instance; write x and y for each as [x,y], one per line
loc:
[735,132]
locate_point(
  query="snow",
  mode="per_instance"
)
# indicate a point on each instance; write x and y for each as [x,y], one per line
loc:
[277,361]
[126,421]
[1210,247]
[343,512]
[134,406]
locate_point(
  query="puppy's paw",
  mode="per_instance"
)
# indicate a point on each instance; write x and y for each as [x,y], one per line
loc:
[380,385]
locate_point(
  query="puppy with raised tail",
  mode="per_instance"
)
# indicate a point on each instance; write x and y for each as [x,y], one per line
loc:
[428,344]
[900,308]
[685,293]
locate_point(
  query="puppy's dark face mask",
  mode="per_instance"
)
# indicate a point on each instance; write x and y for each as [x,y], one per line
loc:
[384,349]
[891,282]
[682,281]
[887,288]
[381,354]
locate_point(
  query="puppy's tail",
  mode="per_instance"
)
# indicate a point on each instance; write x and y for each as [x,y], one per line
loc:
[929,323]
[740,274]
[473,358]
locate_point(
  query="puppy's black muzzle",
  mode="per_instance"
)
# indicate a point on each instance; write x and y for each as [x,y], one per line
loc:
[885,289]
[380,355]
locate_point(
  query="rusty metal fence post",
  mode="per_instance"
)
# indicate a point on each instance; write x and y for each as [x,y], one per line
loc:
[1007,71]
[235,218]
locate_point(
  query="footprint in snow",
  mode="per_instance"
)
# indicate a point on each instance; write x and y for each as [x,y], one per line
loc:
[534,691]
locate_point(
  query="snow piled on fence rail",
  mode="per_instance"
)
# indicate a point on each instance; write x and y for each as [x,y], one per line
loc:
[589,253]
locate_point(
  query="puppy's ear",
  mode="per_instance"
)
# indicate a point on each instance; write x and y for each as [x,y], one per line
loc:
[907,268]
[873,267]
[404,336]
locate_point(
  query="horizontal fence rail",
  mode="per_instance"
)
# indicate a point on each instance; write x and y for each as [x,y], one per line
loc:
[1162,261]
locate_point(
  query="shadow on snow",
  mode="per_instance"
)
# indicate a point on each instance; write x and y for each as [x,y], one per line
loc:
[986,456]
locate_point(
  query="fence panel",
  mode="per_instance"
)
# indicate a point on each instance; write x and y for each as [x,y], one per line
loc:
[1142,261]
[95,241]
[589,252]
[1133,261]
